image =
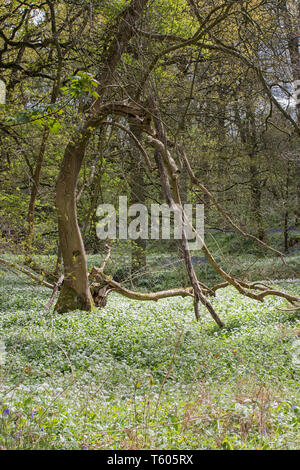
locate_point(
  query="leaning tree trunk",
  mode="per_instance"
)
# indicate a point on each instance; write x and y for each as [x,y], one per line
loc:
[75,292]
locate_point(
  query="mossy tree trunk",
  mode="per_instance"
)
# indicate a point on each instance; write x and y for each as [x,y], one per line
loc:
[75,292]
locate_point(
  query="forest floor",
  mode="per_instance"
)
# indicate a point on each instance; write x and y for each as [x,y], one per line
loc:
[146,375]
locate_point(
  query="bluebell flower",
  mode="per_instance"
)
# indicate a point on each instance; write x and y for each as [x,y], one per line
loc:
[6,412]
[32,414]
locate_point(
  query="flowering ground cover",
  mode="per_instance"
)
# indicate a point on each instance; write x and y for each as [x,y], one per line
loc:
[146,375]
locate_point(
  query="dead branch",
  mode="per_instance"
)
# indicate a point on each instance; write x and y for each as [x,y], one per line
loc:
[242,287]
[169,171]
[106,258]
[107,281]
[294,309]
[54,293]
[265,291]
[136,141]
[17,267]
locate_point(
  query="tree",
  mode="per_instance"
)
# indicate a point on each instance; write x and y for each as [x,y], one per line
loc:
[135,59]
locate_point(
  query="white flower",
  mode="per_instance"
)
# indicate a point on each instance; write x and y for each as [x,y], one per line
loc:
[243,409]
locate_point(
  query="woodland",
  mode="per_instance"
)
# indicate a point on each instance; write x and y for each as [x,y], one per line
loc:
[146,343]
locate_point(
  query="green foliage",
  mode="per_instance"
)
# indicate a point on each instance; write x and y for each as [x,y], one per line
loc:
[80,84]
[40,115]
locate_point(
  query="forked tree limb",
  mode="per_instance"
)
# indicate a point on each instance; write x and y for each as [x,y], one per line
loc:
[264,291]
[169,172]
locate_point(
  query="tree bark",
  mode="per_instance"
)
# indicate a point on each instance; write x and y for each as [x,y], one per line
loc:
[75,292]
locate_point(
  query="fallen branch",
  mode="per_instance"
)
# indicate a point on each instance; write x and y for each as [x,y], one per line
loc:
[293,309]
[265,291]
[98,275]
[17,267]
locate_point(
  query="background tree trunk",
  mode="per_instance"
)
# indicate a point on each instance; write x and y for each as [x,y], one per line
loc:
[137,196]
[292,27]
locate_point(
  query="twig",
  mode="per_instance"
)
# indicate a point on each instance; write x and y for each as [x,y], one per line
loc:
[54,293]
[107,257]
